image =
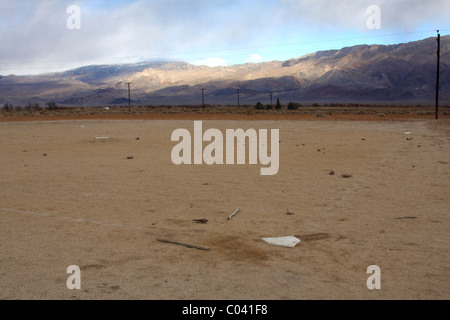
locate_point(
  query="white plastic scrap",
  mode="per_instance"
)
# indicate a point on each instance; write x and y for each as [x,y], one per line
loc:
[288,242]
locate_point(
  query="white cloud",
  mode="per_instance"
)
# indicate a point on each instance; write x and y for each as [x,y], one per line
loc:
[36,36]
[397,15]
[212,62]
[254,58]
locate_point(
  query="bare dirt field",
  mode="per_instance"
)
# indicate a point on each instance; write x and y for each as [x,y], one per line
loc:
[67,198]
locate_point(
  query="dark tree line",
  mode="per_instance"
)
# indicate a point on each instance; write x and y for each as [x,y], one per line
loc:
[8,107]
[278,106]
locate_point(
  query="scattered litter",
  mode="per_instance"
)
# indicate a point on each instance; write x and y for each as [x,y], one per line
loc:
[407,132]
[288,242]
[202,221]
[233,214]
[346,175]
[184,244]
[289,213]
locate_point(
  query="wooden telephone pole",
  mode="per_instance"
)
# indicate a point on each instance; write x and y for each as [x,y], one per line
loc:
[238,91]
[203,98]
[129,96]
[437,74]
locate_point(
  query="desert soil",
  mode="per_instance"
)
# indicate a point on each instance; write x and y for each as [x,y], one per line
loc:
[67,198]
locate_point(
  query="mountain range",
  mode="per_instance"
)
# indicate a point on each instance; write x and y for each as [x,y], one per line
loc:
[401,73]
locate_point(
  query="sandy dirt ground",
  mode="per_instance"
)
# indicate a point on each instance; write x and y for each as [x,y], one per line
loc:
[67,198]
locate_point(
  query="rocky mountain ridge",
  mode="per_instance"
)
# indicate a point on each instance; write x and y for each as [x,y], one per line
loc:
[365,73]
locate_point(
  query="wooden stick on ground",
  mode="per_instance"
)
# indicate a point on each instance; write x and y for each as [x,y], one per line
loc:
[233,214]
[184,244]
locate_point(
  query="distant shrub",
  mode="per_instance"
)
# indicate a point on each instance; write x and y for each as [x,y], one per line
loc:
[278,105]
[293,106]
[52,106]
[29,107]
[8,107]
[259,106]
[269,107]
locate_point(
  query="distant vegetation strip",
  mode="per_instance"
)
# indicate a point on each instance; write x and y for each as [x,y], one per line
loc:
[325,110]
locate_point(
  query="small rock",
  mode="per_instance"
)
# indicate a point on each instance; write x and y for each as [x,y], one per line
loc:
[201,221]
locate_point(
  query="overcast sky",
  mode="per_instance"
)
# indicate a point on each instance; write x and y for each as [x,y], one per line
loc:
[44,36]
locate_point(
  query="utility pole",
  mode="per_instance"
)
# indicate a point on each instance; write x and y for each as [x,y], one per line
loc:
[271,101]
[203,98]
[437,74]
[238,90]
[129,96]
